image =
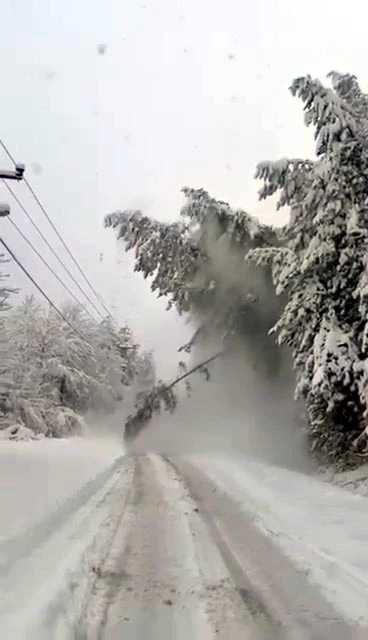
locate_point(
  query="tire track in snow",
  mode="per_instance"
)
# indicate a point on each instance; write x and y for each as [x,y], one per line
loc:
[142,575]
[207,511]
[39,604]
[100,591]
[295,607]
[164,576]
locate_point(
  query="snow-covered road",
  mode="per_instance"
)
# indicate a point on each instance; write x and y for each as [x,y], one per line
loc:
[196,547]
[165,576]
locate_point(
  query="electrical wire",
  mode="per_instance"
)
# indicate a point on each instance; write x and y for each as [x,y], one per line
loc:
[99,298]
[54,253]
[38,254]
[39,288]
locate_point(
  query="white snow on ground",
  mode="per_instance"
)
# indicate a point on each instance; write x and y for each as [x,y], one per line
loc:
[52,503]
[36,477]
[322,528]
[61,503]
[355,481]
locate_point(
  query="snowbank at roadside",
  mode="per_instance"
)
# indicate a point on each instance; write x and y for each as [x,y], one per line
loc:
[36,477]
[52,505]
[321,527]
[355,481]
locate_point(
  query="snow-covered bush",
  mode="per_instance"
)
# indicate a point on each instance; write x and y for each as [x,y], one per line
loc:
[28,412]
[61,371]
[63,422]
[18,433]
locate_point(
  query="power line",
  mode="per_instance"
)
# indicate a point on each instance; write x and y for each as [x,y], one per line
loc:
[50,268]
[39,288]
[99,298]
[54,253]
[7,152]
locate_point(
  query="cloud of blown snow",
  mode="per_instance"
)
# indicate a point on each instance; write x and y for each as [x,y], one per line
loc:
[241,410]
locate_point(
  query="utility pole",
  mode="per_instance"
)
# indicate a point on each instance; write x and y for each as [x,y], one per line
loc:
[6,384]
[17,174]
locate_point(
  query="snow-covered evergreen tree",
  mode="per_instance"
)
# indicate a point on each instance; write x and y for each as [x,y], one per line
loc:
[322,268]
[197,263]
[318,262]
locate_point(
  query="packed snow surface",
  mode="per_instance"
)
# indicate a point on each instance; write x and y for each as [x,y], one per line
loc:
[321,527]
[62,507]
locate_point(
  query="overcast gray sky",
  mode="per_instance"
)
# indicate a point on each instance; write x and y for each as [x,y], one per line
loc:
[187,92]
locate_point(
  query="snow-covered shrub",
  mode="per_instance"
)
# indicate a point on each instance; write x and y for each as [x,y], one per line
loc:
[29,414]
[59,373]
[18,433]
[63,422]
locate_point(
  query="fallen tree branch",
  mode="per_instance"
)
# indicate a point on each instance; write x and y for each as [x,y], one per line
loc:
[201,365]
[161,396]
